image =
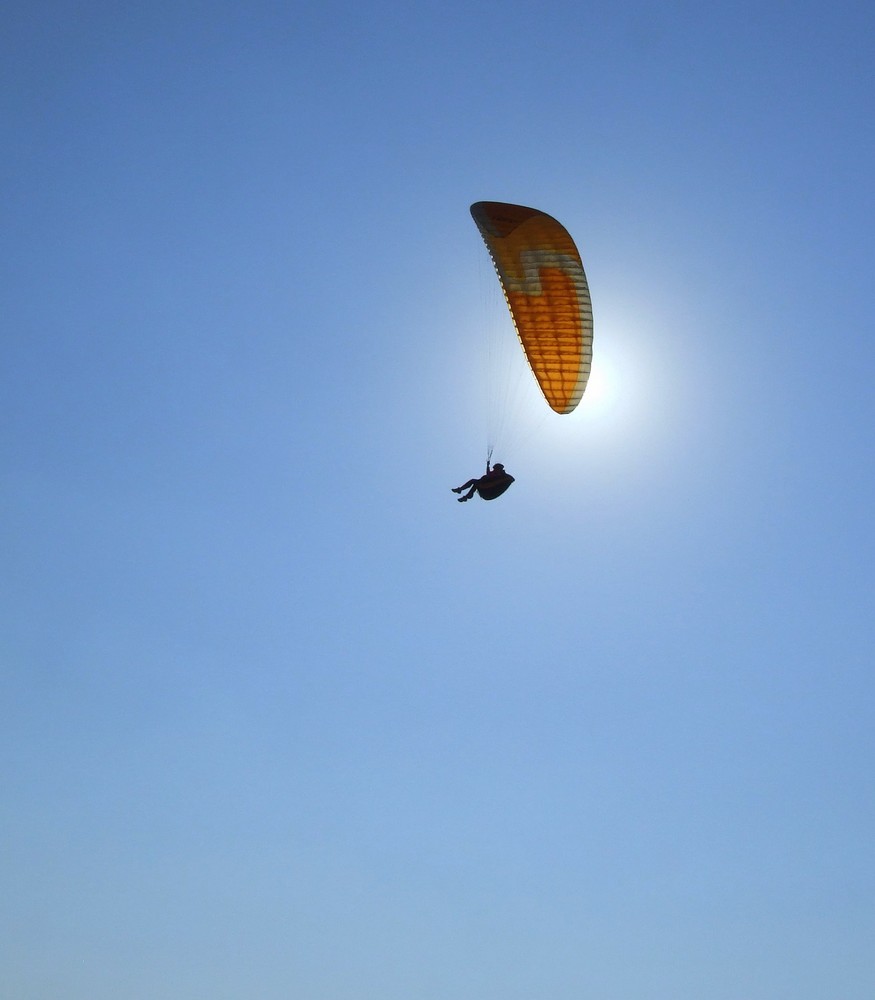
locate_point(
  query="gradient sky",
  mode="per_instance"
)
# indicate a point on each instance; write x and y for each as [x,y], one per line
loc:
[281,719]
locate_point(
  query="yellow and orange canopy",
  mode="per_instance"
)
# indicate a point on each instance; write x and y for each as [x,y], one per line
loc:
[546,290]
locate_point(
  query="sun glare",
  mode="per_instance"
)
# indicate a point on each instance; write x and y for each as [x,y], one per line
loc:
[610,391]
[600,386]
[628,405]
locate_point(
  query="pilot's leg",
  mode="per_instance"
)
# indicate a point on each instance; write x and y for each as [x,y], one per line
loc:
[465,486]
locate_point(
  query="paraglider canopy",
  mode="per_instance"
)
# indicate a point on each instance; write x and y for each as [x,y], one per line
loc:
[543,280]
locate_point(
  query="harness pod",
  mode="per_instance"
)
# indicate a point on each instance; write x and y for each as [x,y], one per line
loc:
[494,486]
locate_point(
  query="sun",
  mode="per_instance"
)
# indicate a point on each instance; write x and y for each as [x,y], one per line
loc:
[613,403]
[604,395]
[600,385]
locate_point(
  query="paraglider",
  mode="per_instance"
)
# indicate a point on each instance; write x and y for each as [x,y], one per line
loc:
[546,291]
[488,487]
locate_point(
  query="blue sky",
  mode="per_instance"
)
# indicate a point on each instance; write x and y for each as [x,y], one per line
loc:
[281,718]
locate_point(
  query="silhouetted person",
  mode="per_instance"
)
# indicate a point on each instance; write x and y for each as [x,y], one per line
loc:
[488,487]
